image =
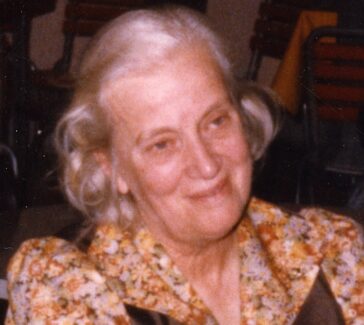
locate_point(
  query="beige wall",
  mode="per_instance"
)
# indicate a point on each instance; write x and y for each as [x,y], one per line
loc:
[46,39]
[234,19]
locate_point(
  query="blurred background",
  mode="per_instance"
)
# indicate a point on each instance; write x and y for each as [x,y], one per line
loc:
[311,53]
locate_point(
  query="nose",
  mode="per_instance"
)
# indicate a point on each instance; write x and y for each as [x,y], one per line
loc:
[202,160]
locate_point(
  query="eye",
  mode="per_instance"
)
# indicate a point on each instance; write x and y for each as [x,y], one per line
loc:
[160,148]
[161,145]
[219,120]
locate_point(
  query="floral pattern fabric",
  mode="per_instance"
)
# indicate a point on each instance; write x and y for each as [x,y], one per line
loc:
[51,282]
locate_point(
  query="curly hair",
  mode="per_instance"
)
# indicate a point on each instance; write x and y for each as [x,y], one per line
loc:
[135,42]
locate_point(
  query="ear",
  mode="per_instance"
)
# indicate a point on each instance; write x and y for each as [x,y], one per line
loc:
[105,163]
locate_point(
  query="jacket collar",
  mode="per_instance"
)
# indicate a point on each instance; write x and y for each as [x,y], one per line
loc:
[279,264]
[292,248]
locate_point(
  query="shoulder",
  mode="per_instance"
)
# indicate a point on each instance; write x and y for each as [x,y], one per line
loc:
[334,227]
[289,241]
[315,239]
[343,261]
[42,257]
[49,280]
[316,226]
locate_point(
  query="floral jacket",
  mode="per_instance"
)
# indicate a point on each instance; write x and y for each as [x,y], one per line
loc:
[52,282]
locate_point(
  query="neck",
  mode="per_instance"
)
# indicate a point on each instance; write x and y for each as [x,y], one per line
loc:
[208,258]
[213,271]
[212,267]
[195,256]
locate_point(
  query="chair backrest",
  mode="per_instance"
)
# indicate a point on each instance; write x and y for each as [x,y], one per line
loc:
[273,29]
[86,17]
[334,73]
[333,88]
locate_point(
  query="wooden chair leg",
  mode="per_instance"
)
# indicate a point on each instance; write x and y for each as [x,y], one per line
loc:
[253,67]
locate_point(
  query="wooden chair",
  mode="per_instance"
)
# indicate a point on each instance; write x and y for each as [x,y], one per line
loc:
[82,18]
[333,101]
[51,90]
[273,29]
[85,18]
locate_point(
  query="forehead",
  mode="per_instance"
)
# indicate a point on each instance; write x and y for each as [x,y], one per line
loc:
[181,88]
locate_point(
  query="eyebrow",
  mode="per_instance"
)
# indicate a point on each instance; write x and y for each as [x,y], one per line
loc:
[217,105]
[152,133]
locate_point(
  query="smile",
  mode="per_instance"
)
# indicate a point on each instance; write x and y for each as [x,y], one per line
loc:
[210,192]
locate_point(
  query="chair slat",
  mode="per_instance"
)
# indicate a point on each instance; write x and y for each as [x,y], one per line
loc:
[329,70]
[338,113]
[88,11]
[85,18]
[338,51]
[338,93]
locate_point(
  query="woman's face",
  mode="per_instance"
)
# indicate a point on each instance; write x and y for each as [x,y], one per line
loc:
[180,148]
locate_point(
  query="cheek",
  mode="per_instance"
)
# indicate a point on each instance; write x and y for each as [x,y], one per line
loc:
[245,167]
[238,162]
[235,148]
[245,160]
[242,150]
[144,177]
[158,179]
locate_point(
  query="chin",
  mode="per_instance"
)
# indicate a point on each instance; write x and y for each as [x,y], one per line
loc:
[223,223]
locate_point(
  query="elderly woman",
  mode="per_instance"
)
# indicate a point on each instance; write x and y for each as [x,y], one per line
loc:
[157,148]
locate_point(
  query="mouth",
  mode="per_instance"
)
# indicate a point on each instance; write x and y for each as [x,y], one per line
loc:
[210,192]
